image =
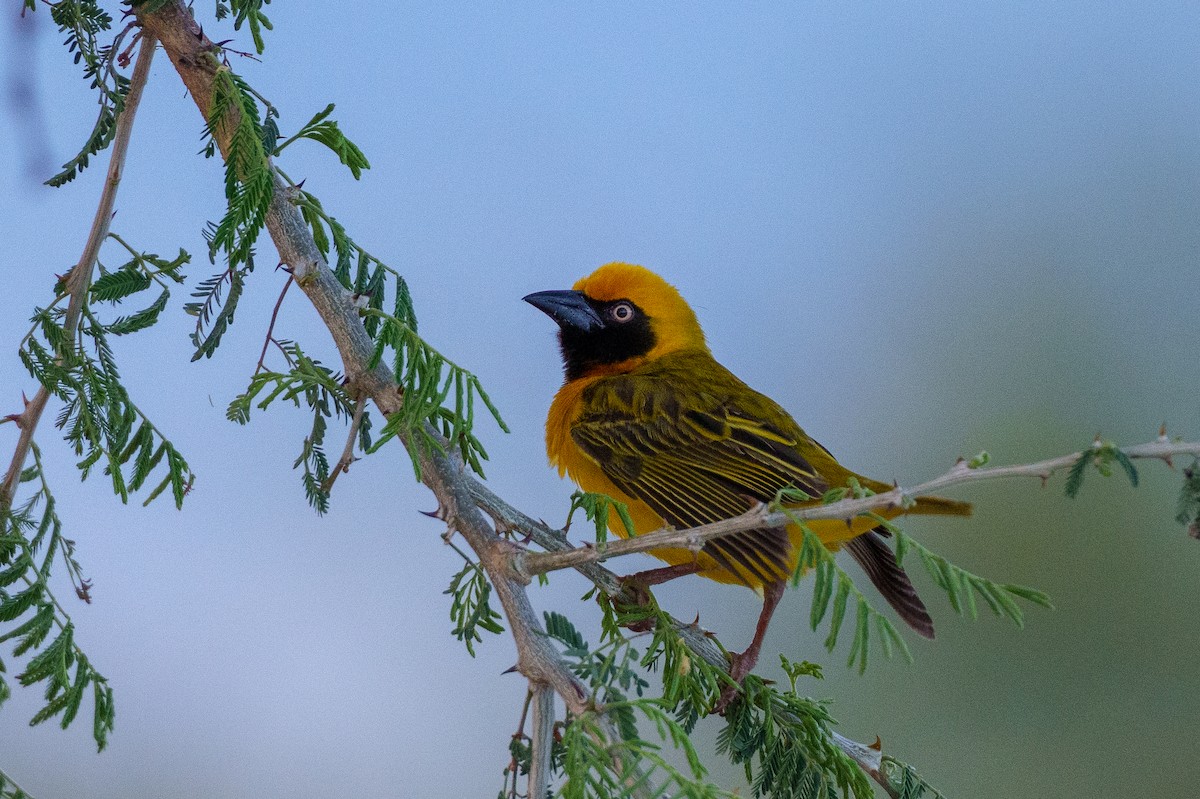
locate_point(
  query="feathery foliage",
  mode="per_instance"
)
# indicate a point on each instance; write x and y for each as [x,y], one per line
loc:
[1103,455]
[784,742]
[596,508]
[99,419]
[249,187]
[30,541]
[783,739]
[371,275]
[832,586]
[438,394]
[1187,509]
[312,385]
[603,752]
[249,13]
[83,21]
[469,607]
[961,586]
[326,131]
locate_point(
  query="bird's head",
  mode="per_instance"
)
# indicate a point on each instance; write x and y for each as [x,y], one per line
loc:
[618,318]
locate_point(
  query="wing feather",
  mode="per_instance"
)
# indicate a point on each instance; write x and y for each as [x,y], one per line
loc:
[695,458]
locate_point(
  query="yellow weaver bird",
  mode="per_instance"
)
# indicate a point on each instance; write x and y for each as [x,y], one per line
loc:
[648,417]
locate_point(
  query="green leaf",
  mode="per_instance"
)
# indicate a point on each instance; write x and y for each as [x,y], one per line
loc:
[140,320]
[1075,476]
[118,285]
[326,132]
[12,607]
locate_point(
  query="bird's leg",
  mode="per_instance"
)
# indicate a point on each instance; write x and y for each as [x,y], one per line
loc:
[742,663]
[657,576]
[637,587]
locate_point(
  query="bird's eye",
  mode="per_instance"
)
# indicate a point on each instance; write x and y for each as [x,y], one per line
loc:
[621,312]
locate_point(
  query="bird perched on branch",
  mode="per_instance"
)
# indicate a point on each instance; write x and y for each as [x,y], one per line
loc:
[648,416]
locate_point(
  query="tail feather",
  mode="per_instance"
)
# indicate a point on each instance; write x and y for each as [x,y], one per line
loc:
[940,506]
[879,562]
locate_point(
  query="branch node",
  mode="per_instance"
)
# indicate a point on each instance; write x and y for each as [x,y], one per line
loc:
[517,568]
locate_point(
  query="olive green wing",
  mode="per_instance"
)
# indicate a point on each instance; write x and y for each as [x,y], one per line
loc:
[695,458]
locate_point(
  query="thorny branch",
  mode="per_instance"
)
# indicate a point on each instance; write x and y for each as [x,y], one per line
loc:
[531,564]
[192,54]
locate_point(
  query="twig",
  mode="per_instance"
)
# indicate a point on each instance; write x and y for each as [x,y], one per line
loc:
[10,785]
[541,740]
[533,563]
[79,279]
[343,464]
[518,735]
[271,327]
[868,758]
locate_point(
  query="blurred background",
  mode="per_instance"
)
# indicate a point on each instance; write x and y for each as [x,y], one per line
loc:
[926,230]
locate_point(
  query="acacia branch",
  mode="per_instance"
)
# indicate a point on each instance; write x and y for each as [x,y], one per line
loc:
[534,563]
[79,279]
[194,58]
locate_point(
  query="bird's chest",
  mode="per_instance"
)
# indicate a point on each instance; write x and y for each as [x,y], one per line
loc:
[572,462]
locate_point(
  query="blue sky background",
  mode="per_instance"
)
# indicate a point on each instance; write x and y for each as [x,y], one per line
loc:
[926,230]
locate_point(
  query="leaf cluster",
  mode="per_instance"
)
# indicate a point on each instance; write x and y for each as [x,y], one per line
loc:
[312,385]
[249,180]
[82,21]
[99,419]
[962,587]
[325,131]
[1187,509]
[30,540]
[250,13]
[833,589]
[1103,455]
[596,509]
[437,394]
[596,763]
[469,607]
[835,593]
[249,188]
[784,742]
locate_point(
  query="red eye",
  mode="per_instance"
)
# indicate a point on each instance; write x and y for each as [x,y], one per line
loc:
[621,312]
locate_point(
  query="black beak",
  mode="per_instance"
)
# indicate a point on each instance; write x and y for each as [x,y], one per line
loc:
[570,309]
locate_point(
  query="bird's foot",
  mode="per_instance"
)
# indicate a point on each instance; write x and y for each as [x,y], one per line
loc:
[637,599]
[637,604]
[740,664]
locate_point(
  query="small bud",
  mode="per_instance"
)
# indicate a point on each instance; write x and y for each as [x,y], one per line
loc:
[982,459]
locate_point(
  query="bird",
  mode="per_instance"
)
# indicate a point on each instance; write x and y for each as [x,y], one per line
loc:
[647,416]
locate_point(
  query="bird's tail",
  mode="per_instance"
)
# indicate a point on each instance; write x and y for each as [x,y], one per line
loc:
[940,506]
[879,563]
